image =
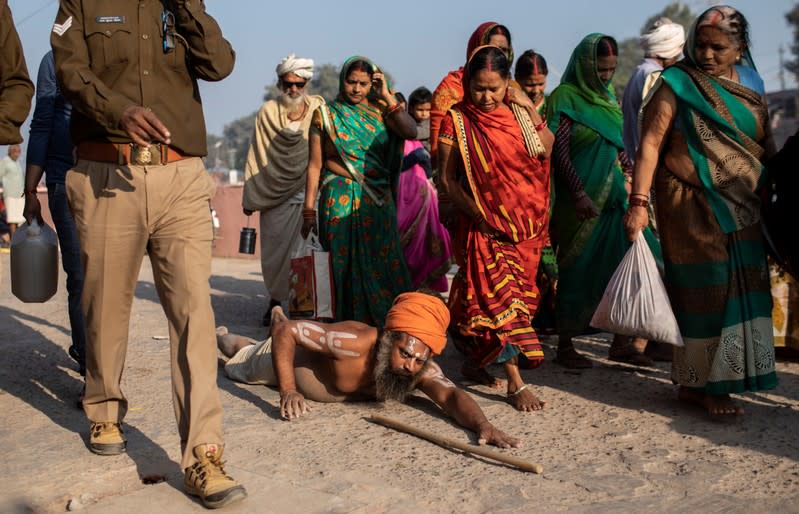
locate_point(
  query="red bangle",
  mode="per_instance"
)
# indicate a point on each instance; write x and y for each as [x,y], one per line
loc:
[541,126]
[639,202]
[391,110]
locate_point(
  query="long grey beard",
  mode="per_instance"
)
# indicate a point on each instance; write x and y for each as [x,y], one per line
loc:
[292,105]
[388,384]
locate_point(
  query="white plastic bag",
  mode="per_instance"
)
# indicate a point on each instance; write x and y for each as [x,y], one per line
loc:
[635,302]
[311,282]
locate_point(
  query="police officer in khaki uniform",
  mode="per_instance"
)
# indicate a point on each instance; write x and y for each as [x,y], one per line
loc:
[131,69]
[16,88]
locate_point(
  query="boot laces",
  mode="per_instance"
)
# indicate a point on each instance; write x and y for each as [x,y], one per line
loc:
[211,468]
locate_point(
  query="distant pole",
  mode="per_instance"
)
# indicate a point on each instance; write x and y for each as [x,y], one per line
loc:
[782,68]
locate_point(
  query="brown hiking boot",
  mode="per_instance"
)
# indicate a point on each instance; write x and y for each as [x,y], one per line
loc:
[207,480]
[106,438]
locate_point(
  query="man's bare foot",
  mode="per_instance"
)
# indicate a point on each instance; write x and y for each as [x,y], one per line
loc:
[524,400]
[230,344]
[716,405]
[278,315]
[479,375]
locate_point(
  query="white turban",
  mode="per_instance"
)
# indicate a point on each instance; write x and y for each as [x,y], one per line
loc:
[303,68]
[665,39]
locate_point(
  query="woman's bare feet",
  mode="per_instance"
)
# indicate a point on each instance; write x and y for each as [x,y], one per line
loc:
[629,350]
[523,399]
[716,405]
[473,372]
[520,395]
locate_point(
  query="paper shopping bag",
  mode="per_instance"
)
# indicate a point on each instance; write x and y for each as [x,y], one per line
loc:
[324,301]
[311,282]
[301,295]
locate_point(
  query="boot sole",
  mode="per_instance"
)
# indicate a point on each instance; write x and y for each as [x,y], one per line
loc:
[231,495]
[108,449]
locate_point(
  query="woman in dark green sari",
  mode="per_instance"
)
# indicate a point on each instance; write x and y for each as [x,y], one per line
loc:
[590,195]
[356,145]
[705,136]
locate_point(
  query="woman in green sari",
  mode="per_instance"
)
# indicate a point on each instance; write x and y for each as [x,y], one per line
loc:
[705,136]
[590,196]
[356,145]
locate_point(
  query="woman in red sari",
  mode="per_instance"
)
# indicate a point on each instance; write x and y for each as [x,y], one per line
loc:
[497,175]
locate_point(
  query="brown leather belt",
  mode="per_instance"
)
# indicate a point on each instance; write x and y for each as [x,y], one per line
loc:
[129,153]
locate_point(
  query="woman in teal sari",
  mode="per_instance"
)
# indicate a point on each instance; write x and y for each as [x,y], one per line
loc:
[705,136]
[356,145]
[590,195]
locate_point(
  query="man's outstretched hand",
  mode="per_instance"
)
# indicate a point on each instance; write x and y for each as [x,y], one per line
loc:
[292,405]
[489,434]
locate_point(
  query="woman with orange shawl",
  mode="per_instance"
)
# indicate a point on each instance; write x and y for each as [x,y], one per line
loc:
[450,90]
[497,175]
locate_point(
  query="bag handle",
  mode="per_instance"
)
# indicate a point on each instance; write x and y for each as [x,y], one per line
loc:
[307,245]
[312,242]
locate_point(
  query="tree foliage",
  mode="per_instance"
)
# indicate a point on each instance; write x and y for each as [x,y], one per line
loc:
[793,20]
[630,53]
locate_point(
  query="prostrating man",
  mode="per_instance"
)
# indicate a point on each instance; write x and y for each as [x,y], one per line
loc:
[352,361]
[662,44]
[131,70]
[50,151]
[12,180]
[16,88]
[275,173]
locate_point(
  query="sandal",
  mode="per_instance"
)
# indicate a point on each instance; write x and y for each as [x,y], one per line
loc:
[570,358]
[630,355]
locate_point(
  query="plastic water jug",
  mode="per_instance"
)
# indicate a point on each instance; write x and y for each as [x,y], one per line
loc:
[34,262]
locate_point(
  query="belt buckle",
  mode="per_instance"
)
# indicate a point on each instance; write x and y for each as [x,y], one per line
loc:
[144,155]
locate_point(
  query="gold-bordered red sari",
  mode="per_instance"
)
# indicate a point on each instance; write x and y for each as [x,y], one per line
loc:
[494,296]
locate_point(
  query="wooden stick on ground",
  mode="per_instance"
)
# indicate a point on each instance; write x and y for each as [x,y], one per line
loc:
[451,443]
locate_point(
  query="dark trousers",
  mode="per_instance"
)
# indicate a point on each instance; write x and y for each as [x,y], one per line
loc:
[70,260]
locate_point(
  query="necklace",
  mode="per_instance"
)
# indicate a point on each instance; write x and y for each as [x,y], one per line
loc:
[301,114]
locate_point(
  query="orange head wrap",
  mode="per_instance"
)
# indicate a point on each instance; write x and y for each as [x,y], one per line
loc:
[422,316]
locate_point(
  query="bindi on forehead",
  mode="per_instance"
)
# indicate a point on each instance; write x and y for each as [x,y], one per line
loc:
[415,347]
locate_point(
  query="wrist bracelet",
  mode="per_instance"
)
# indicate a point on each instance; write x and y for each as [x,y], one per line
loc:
[541,126]
[640,195]
[391,110]
[639,202]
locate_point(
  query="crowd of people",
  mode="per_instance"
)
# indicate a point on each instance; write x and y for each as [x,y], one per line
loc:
[535,198]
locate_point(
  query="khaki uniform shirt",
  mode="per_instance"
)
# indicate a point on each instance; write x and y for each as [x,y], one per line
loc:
[109,56]
[16,88]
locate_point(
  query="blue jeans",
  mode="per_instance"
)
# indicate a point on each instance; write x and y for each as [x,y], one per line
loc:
[70,259]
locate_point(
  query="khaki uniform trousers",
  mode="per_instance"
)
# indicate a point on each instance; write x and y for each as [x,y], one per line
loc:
[121,211]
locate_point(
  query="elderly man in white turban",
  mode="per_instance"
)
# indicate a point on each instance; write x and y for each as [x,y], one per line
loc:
[662,45]
[275,173]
